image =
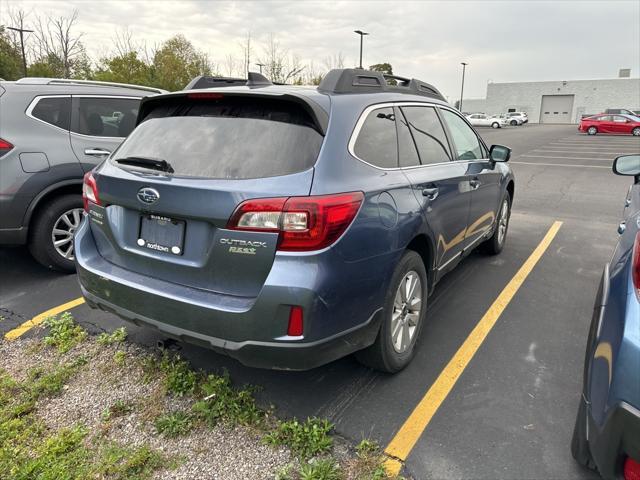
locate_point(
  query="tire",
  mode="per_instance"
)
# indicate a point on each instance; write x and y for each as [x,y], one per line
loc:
[495,244]
[495,125]
[579,443]
[514,123]
[41,242]
[636,132]
[592,131]
[385,354]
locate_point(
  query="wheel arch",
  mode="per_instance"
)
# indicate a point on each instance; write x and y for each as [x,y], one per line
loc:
[61,188]
[511,189]
[423,247]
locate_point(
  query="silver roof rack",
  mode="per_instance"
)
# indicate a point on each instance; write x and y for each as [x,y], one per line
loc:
[69,81]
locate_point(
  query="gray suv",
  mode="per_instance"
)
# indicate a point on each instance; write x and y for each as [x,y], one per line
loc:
[52,131]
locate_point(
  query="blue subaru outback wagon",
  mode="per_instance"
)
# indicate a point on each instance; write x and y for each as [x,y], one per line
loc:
[290,226]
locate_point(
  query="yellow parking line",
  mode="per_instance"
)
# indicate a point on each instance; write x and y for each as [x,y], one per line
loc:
[400,446]
[38,319]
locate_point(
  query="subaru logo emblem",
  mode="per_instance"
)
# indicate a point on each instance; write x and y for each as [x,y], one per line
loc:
[148,195]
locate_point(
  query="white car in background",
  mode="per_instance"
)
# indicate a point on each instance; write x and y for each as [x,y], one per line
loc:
[482,120]
[520,117]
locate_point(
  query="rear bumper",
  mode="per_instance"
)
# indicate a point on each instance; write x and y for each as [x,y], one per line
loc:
[252,330]
[618,438]
[272,355]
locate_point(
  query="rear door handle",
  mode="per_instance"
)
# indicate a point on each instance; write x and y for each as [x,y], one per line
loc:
[96,152]
[430,193]
[475,183]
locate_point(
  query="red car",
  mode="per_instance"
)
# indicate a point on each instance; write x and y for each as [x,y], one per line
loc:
[604,123]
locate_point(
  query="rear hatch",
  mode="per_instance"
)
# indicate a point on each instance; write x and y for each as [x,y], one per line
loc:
[165,197]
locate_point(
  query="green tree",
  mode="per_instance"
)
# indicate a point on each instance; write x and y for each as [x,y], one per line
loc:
[382,67]
[126,68]
[47,66]
[176,63]
[10,57]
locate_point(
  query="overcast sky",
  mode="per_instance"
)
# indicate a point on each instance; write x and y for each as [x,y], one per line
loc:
[503,41]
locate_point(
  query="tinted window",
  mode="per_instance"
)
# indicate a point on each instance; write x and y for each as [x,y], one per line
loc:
[377,142]
[55,111]
[619,119]
[428,134]
[464,139]
[106,117]
[407,153]
[234,139]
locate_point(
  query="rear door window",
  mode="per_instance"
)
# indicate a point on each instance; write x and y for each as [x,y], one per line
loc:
[230,138]
[104,116]
[466,142]
[377,142]
[407,152]
[428,134]
[53,110]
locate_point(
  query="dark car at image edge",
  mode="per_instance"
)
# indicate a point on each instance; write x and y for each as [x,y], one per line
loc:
[606,436]
[290,226]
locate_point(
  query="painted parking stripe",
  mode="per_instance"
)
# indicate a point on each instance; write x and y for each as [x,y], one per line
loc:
[540,164]
[38,319]
[403,442]
[581,152]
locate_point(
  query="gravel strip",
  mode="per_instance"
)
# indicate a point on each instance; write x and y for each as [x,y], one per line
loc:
[221,453]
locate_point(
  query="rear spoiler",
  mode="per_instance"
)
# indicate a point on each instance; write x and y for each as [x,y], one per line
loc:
[318,114]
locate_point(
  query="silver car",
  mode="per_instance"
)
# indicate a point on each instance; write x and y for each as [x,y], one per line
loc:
[52,132]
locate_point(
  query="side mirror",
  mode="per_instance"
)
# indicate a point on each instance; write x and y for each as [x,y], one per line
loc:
[627,165]
[499,153]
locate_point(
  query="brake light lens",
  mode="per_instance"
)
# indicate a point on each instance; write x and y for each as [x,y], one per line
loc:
[631,469]
[5,147]
[304,223]
[205,96]
[635,265]
[89,191]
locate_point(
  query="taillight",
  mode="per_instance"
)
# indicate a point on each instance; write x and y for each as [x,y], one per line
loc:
[5,147]
[205,95]
[635,265]
[304,223]
[89,191]
[631,469]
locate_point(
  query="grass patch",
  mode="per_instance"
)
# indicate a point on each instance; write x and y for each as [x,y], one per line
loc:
[119,409]
[306,439]
[174,424]
[222,402]
[320,469]
[64,333]
[119,335]
[180,379]
[120,358]
[29,450]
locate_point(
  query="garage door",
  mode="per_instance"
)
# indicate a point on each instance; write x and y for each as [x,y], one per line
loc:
[556,109]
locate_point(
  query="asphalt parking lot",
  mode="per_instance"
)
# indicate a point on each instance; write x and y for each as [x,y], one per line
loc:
[511,413]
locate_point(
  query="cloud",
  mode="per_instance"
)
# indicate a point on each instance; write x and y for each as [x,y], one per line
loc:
[501,41]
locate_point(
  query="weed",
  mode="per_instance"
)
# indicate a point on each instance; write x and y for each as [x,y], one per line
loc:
[367,447]
[64,333]
[305,439]
[119,358]
[285,473]
[321,469]
[369,464]
[119,409]
[119,335]
[223,402]
[128,463]
[174,424]
[179,378]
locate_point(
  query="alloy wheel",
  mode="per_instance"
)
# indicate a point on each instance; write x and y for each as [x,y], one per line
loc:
[63,231]
[405,316]
[503,221]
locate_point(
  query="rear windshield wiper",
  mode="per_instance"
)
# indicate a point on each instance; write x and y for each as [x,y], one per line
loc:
[147,162]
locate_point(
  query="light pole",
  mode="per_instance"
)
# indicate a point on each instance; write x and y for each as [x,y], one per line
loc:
[464,67]
[260,65]
[22,32]
[362,34]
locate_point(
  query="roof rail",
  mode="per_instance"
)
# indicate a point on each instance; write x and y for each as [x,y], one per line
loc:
[203,81]
[356,80]
[70,81]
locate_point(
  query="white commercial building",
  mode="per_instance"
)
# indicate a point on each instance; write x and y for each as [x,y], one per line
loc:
[557,102]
